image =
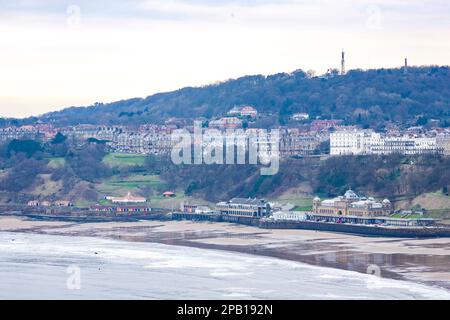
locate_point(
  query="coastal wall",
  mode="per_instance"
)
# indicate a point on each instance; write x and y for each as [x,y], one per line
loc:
[77,215]
[195,217]
[249,221]
[81,215]
[402,232]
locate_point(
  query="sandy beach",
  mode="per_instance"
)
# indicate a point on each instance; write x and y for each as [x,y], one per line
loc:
[420,260]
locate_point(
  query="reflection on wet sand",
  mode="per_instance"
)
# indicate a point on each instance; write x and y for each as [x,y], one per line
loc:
[328,254]
[425,261]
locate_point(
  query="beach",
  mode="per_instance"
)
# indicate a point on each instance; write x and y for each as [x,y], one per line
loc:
[423,261]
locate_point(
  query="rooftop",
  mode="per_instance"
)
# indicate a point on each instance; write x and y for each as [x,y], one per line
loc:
[253,201]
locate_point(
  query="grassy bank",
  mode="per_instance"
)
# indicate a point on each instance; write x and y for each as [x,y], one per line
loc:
[124,159]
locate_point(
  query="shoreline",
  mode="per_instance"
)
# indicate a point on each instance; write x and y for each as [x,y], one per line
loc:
[422,261]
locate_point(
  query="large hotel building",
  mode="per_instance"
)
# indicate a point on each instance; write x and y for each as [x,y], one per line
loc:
[360,142]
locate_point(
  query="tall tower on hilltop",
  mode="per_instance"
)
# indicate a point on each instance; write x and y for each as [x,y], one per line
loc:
[343,63]
[405,69]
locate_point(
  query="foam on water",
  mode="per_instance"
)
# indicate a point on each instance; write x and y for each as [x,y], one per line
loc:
[35,266]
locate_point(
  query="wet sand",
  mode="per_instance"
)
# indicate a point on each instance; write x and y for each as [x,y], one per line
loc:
[421,260]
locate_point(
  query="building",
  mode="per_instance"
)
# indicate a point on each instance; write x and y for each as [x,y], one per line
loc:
[364,142]
[443,144]
[243,111]
[129,198]
[188,208]
[343,63]
[244,207]
[120,209]
[349,142]
[288,216]
[320,125]
[300,116]
[20,133]
[384,221]
[169,194]
[197,209]
[63,203]
[45,203]
[294,142]
[350,204]
[146,139]
[226,123]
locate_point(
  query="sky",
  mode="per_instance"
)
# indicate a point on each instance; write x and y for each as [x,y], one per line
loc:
[56,53]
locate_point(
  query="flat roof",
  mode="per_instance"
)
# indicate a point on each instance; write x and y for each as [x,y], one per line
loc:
[253,201]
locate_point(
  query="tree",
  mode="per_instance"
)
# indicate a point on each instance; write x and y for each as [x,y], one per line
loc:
[27,147]
[58,146]
[59,138]
[421,121]
[87,162]
[23,174]
[310,73]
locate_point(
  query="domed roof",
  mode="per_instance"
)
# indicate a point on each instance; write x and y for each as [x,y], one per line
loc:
[386,201]
[350,194]
[316,199]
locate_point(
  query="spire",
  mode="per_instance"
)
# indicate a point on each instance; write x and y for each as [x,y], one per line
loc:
[405,69]
[343,63]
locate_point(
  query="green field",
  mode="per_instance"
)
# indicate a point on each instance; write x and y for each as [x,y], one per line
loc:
[120,185]
[300,203]
[124,159]
[159,201]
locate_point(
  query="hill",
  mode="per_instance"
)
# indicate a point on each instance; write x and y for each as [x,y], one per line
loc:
[360,97]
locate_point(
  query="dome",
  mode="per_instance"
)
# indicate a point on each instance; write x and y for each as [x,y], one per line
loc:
[316,199]
[350,194]
[386,201]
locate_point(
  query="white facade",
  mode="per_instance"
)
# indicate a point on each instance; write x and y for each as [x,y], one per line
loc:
[300,116]
[350,142]
[360,142]
[443,144]
[244,111]
[288,216]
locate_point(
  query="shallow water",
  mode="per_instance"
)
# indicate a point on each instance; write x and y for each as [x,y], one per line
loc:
[36,267]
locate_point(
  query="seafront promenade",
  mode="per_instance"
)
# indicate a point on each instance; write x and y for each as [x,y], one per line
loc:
[86,215]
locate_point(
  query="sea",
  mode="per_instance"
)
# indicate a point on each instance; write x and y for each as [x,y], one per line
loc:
[37,266]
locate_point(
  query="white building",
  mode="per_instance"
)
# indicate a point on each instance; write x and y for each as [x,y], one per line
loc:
[243,111]
[360,142]
[226,123]
[129,198]
[350,142]
[443,144]
[300,116]
[288,216]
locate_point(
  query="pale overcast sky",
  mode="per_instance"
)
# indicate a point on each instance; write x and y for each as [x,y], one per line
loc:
[55,54]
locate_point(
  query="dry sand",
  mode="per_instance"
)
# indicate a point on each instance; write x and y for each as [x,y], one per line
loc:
[422,260]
